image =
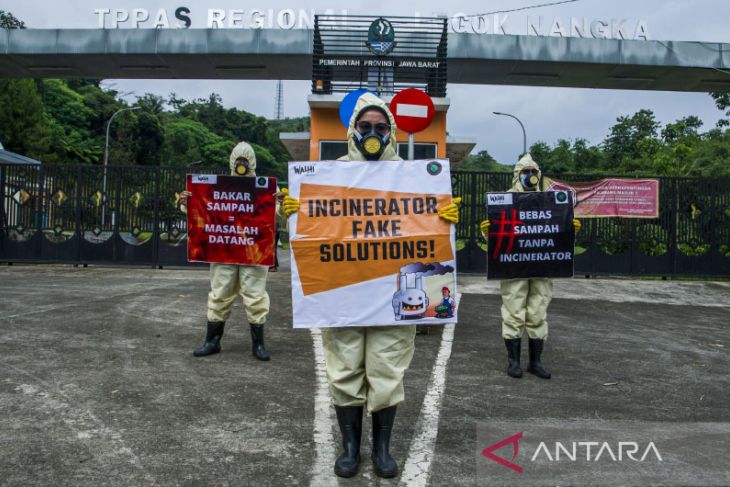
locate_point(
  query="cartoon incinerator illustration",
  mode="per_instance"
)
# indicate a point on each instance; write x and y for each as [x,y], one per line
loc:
[410,301]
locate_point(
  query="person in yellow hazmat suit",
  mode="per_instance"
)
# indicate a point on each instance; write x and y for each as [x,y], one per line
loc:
[525,301]
[366,365]
[230,280]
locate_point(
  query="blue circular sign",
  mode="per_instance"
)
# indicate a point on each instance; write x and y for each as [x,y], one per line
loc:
[348,105]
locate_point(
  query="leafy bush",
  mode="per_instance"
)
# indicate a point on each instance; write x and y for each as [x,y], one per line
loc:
[613,235]
[652,239]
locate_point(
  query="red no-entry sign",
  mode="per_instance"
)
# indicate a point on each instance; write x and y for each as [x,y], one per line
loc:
[412,109]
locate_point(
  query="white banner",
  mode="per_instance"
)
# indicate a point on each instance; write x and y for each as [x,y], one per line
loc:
[367,245]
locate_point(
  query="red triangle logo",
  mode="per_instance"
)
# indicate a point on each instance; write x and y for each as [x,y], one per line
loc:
[514,440]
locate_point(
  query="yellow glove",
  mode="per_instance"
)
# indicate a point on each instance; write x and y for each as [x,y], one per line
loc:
[577,225]
[289,205]
[450,212]
[484,227]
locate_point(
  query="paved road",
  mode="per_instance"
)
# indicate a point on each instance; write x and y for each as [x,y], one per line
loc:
[98,385]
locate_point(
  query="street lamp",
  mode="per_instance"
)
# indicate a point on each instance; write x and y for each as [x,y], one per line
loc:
[524,134]
[106,162]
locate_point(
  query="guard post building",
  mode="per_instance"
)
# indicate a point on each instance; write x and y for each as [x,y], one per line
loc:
[384,56]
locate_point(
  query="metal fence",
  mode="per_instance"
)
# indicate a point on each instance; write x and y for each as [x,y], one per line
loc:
[59,214]
[691,237]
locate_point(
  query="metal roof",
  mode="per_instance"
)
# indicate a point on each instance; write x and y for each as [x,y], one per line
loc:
[13,158]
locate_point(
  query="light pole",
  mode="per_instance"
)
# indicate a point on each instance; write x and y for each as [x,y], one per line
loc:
[106,162]
[524,134]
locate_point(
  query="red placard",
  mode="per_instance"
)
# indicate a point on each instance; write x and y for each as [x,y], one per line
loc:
[412,109]
[231,219]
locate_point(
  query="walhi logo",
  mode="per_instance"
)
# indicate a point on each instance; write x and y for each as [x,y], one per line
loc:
[308,169]
[499,198]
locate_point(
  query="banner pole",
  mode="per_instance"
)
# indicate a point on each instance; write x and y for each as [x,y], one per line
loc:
[410,147]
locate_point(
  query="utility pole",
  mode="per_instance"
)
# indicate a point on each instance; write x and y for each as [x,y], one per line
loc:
[524,134]
[106,162]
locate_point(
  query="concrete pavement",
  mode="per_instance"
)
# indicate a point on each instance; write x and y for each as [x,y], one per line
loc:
[99,385]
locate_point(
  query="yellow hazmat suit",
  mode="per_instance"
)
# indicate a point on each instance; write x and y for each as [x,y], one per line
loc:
[229,280]
[525,301]
[365,366]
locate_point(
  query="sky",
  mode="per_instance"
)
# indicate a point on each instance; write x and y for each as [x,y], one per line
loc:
[549,114]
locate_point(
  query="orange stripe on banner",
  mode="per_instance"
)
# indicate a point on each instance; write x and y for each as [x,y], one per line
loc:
[356,235]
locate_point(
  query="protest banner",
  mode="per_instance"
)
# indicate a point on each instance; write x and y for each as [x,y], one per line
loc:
[231,219]
[612,197]
[367,245]
[531,235]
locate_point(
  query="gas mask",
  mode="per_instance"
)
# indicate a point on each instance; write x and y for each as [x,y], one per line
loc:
[371,139]
[529,179]
[241,167]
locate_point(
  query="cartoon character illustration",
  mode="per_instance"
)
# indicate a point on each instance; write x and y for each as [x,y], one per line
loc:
[410,301]
[446,308]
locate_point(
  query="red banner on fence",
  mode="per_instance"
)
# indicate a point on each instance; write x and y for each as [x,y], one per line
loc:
[231,219]
[623,198]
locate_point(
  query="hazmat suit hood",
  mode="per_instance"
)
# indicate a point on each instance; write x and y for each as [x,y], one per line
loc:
[366,101]
[525,162]
[243,149]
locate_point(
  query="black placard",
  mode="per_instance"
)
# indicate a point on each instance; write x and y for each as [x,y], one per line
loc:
[531,235]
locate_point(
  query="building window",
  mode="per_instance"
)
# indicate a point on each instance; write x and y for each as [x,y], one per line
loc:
[420,151]
[330,150]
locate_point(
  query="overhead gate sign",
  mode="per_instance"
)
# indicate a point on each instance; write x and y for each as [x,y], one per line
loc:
[531,235]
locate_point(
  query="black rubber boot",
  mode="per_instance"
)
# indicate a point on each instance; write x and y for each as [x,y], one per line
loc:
[212,339]
[383,463]
[513,357]
[350,421]
[536,366]
[257,343]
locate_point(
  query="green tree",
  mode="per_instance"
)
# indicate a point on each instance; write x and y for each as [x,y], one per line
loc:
[624,145]
[560,159]
[151,104]
[24,126]
[587,158]
[540,151]
[711,157]
[235,125]
[71,119]
[150,137]
[65,105]
[188,141]
[566,158]
[681,129]
[101,104]
[9,21]
[722,101]
[267,165]
[482,161]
